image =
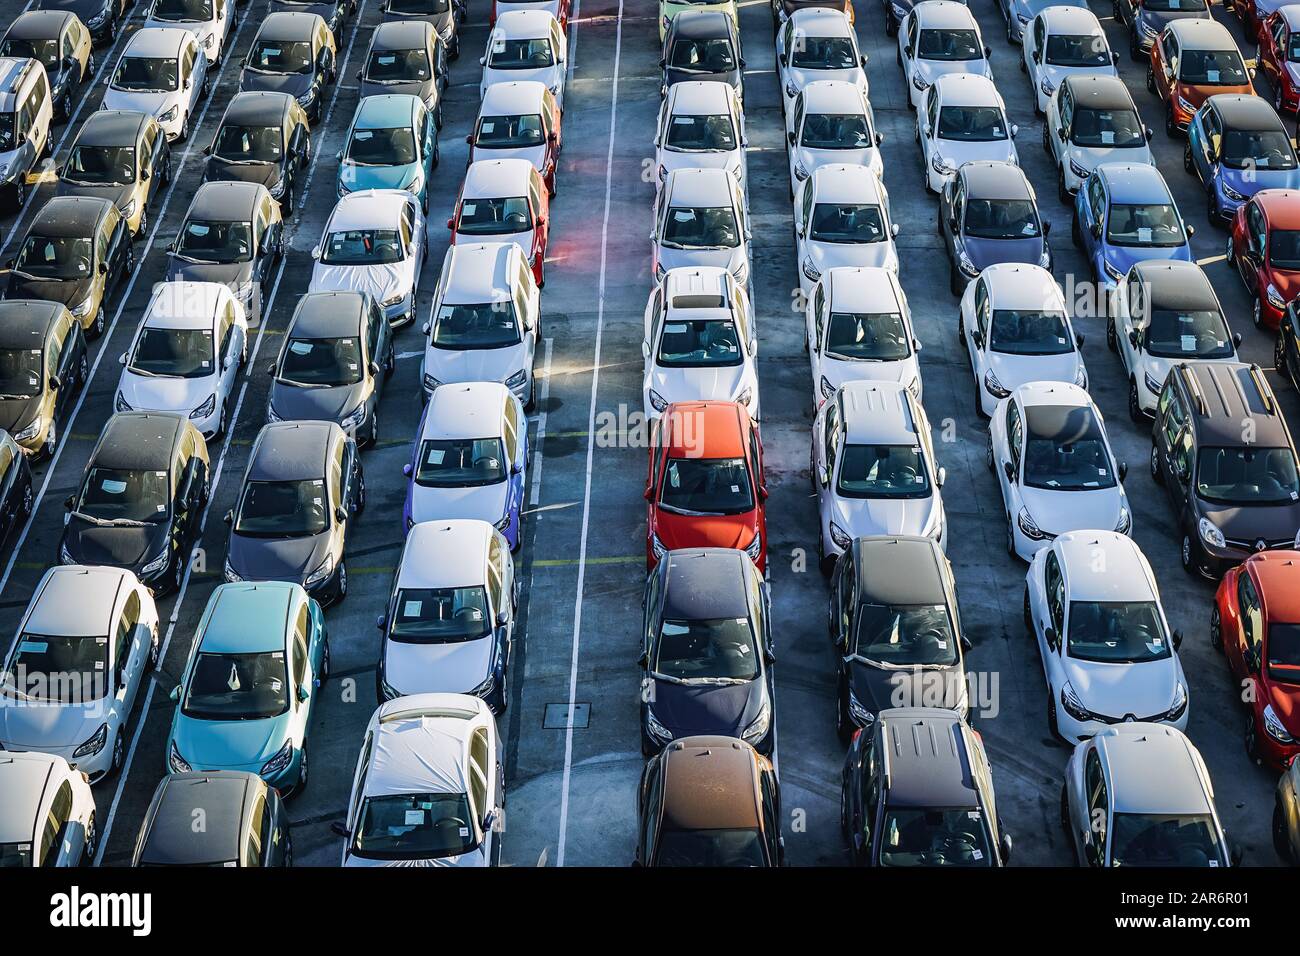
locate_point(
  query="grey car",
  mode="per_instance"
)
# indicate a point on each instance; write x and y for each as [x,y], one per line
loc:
[444,15]
[246,823]
[62,44]
[263,138]
[406,56]
[336,358]
[702,45]
[293,53]
[988,214]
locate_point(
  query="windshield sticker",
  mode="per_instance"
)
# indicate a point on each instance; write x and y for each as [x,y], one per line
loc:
[299,348]
[112,487]
[33,647]
[412,608]
[488,126]
[1144,233]
[435,456]
[414,818]
[1189,343]
[675,328]
[1211,76]
[1107,138]
[467,209]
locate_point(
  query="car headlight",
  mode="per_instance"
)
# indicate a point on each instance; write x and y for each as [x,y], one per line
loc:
[1024,20]
[740,272]
[555,89]
[1045,260]
[663,172]
[790,89]
[1179,703]
[1152,385]
[1047,86]
[1186,105]
[800,171]
[810,270]
[279,761]
[1073,706]
[920,84]
[745,397]
[430,383]
[322,572]
[660,272]
[827,389]
[127,211]
[233,576]
[1274,297]
[1025,521]
[966,264]
[272,416]
[755,548]
[1081,376]
[1111,270]
[657,547]
[1148,31]
[416,184]
[174,760]
[657,401]
[354,419]
[759,726]
[517,380]
[82,308]
[169,115]
[30,432]
[994,386]
[859,714]
[207,41]
[840,537]
[157,564]
[393,300]
[485,687]
[504,524]
[1125,523]
[941,166]
[1274,726]
[307,97]
[1079,171]
[1231,193]
[206,409]
[95,744]
[1210,533]
[655,729]
[277,190]
[914,386]
[65,556]
[341,189]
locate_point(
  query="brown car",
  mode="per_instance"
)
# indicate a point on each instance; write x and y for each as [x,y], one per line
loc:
[1191,60]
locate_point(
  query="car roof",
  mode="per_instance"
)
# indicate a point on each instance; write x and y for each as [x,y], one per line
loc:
[900,570]
[1278,573]
[12,70]
[420,745]
[496,178]
[479,272]
[39,24]
[76,601]
[184,305]
[172,837]
[226,201]
[23,779]
[1175,284]
[1099,92]
[1281,207]
[402,35]
[967,89]
[157,41]
[386,110]
[1152,769]
[248,618]
[512,98]
[367,208]
[709,784]
[291,451]
[1225,394]
[1134,182]
[524,24]
[821,22]
[694,186]
[702,291]
[465,410]
[943,14]
[877,411]
[1021,285]
[111,128]
[288,25]
[144,441]
[445,553]
[1052,394]
[73,216]
[861,289]
[25,323]
[325,315]
[846,183]
[696,97]
[261,107]
[833,96]
[701,584]
[1201,33]
[1071,20]
[994,179]
[924,759]
[701,24]
[704,429]
[1245,111]
[1124,576]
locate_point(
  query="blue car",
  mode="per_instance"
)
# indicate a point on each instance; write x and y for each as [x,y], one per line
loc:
[391,144]
[1124,213]
[1018,13]
[1237,145]
[250,684]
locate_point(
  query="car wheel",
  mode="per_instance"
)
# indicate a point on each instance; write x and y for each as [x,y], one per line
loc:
[1151,80]
[65,104]
[342,589]
[51,441]
[1053,730]
[184,134]
[1212,209]
[361,492]
[178,575]
[1157,475]
[954,280]
[1187,554]
[1281,838]
[978,396]
[155,651]
[325,662]
[1279,357]
[29,498]
[221,422]
[1011,538]
[144,223]
[1029,618]
[1011,37]
[843,723]
[1135,413]
[119,755]
[1188,165]
[1216,628]
[1257,312]
[90,845]
[20,192]
[1277,96]
[844,810]
[1229,253]
[532,394]
[301,784]
[988,450]
[373,438]
[1250,740]
[891,25]
[961,330]
[1171,125]
[1112,340]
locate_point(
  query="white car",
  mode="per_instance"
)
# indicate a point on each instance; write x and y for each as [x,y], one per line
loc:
[47,813]
[817,43]
[857,325]
[1016,328]
[700,343]
[209,20]
[873,468]
[486,320]
[938,38]
[186,355]
[163,71]
[83,647]
[1092,120]
[501,201]
[701,219]
[841,218]
[1047,445]
[518,120]
[1165,313]
[429,788]
[1061,42]
[831,124]
[450,619]
[373,242]
[526,45]
[964,120]
[1093,608]
[702,125]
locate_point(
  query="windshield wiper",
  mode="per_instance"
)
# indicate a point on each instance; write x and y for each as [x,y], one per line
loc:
[687,511]
[656,675]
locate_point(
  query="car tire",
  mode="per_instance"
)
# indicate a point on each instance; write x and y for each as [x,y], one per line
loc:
[1188,165]
[1053,728]
[184,134]
[978,398]
[373,438]
[1281,838]
[1151,80]
[143,231]
[178,577]
[1212,209]
[1257,312]
[303,771]
[1029,617]
[51,445]
[1112,338]
[1157,475]
[1187,554]
[1279,358]
[1277,96]
[1250,739]
[361,492]
[844,727]
[1171,125]
[1011,538]
[342,587]
[532,394]
[155,652]
[119,755]
[954,281]
[325,663]
[29,499]
[1216,629]
[1135,412]
[221,421]
[90,845]
[988,450]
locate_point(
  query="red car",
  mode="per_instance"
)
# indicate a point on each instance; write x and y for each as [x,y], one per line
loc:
[1265,248]
[1279,56]
[519,119]
[1256,623]
[705,486]
[1253,14]
[557,8]
[505,200]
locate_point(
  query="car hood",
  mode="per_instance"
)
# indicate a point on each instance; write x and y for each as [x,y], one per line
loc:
[1124,257]
[53,726]
[813,159]
[277,559]
[882,688]
[426,90]
[1159,19]
[1119,690]
[1250,181]
[957,152]
[729,259]
[264,174]
[986,252]
[801,77]
[70,292]
[1090,157]
[1057,512]
[117,545]
[166,394]
[474,365]
[674,159]
[437,668]
[229,744]
[485,502]
[17,413]
[827,255]
[382,281]
[328,404]
[232,274]
[891,516]
[691,709]
[441,21]
[295,84]
[140,100]
[838,371]
[533,154]
[1015,370]
[118,195]
[1058,73]
[931,70]
[1269,523]
[698,384]
[673,75]
[355,177]
[550,76]
[472,859]
[705,531]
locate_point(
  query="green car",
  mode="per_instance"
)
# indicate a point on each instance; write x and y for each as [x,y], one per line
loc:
[250,683]
[670,8]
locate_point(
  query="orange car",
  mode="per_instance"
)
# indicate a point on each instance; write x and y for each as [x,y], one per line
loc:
[1193,59]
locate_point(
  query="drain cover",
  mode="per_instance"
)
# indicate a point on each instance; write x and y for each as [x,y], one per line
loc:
[557,716]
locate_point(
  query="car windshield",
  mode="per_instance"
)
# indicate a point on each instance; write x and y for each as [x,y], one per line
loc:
[867,336]
[334,361]
[1065,450]
[281,56]
[972,124]
[510,132]
[712,848]
[57,669]
[1284,653]
[1284,249]
[126,495]
[215,241]
[695,343]
[55,257]
[1247,476]
[6,131]
[417,7]
[705,55]
[15,855]
[46,51]
[494,217]
[532,53]
[282,509]
[1256,149]
[1116,632]
[1158,839]
[20,373]
[181,10]
[837,131]
[381,147]
[414,826]
[485,325]
[249,144]
[100,166]
[882,471]
[440,615]
[1197,334]
[706,486]
[237,687]
[823,53]
[1144,224]
[917,635]
[398,66]
[147,74]
[460,462]
[1212,68]
[720,649]
[1001,219]
[362,247]
[1121,129]
[173,353]
[947,44]
[915,837]
[1086,49]
[701,227]
[701,133]
[847,222]
[1029,332]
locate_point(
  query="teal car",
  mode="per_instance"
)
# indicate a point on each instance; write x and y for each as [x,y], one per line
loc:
[250,684]
[391,144]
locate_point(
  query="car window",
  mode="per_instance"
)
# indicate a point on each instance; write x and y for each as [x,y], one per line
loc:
[478,770]
[336,475]
[1015,433]
[126,626]
[56,822]
[253,838]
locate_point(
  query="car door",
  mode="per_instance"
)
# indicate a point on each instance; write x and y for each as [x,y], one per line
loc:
[977,337]
[1131,300]
[951,203]
[1256,271]
[1035,41]
[9,492]
[540,206]
[1092,209]
[130,651]
[514,441]
[1205,146]
[1055,604]
[1165,53]
[827,451]
[1009,479]
[57,848]
[306,677]
[480,792]
[230,344]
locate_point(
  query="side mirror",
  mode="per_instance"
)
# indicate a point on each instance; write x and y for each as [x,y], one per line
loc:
[270,368]
[340,514]
[145,175]
[451,222]
[406,469]
[1178,639]
[1036,57]
[1095,229]
[1191,230]
[373,368]
[303,693]
[70,502]
[785,60]
[941,476]
[988,51]
[907,51]
[1047,229]
[862,60]
[103,268]
[1123,470]
[1236,339]
[1062,135]
[502,619]
[381,623]
[822,477]
[121,359]
[339,828]
[315,252]
[893,229]
[175,693]
[1150,132]
[359,72]
[645,349]
[229,517]
[338,157]
[977,337]
[56,383]
[1114,59]
[1133,338]
[482,61]
[470,139]
[1015,130]
[791,138]
[966,644]
[1078,340]
[207,150]
[1049,635]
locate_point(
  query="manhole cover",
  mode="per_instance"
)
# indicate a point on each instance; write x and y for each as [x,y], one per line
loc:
[557,716]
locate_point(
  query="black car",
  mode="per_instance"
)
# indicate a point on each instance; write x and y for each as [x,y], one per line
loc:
[897,634]
[702,45]
[43,368]
[102,17]
[122,156]
[444,15]
[917,790]
[77,250]
[335,13]
[293,53]
[988,214]
[302,489]
[61,43]
[1286,347]
[244,822]
[264,138]
[336,358]
[140,502]
[706,650]
[1144,20]
[16,495]
[406,57]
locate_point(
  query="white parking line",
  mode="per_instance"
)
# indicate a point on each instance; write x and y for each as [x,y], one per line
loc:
[534,493]
[591,447]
